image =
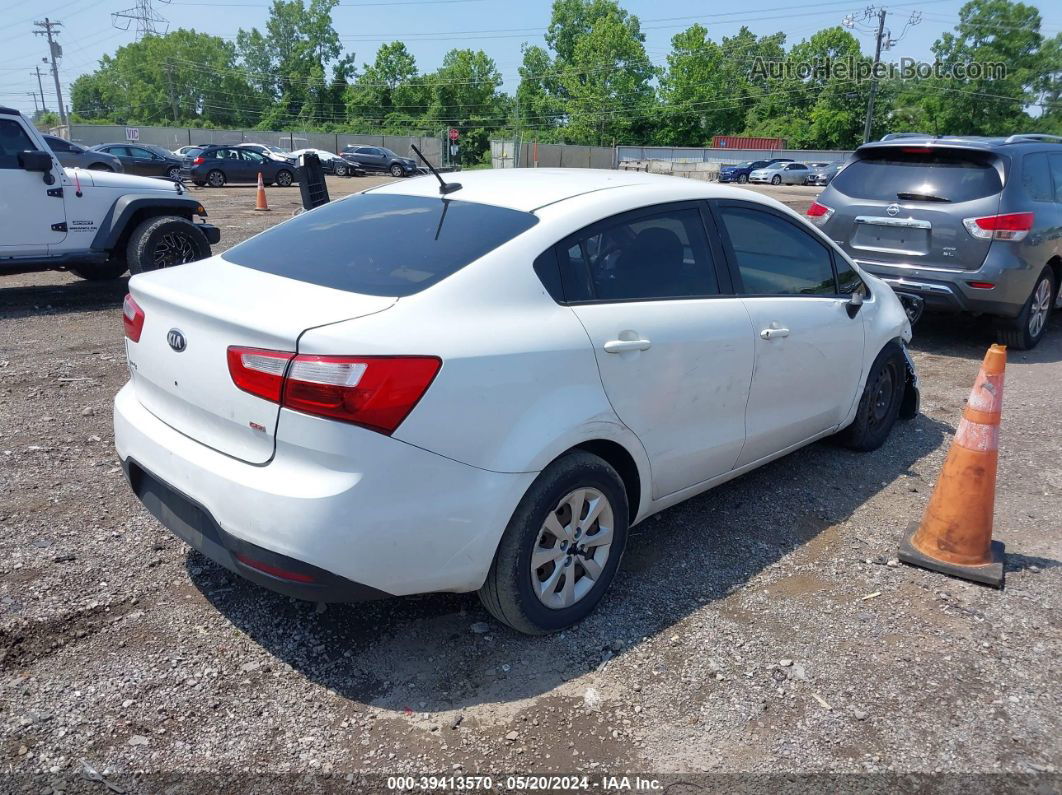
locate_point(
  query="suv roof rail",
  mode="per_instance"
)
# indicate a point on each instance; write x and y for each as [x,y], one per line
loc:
[893,136]
[1022,137]
[12,111]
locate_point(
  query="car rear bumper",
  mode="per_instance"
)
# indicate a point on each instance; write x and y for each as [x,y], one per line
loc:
[385,518]
[946,290]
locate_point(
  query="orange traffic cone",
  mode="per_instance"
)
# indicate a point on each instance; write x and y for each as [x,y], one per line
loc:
[955,536]
[260,201]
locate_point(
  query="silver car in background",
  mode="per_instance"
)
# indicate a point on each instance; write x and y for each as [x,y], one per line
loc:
[821,173]
[781,174]
[72,155]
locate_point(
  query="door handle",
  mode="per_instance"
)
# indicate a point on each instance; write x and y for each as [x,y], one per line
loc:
[772,333]
[619,346]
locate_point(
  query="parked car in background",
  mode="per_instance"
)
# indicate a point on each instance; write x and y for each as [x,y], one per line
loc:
[401,392]
[380,160]
[780,173]
[740,171]
[74,155]
[332,163]
[217,165]
[184,151]
[273,152]
[147,161]
[821,173]
[964,223]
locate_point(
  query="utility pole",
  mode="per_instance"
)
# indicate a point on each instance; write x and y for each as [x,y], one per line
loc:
[40,85]
[56,52]
[36,109]
[169,85]
[874,76]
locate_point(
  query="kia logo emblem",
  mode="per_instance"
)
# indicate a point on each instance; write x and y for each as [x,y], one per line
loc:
[892,209]
[176,339]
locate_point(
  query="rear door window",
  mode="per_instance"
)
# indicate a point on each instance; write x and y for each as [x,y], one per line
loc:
[1056,174]
[949,174]
[381,244]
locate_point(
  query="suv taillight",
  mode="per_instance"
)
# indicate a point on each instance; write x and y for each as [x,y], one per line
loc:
[199,161]
[819,214]
[376,392]
[132,318]
[1012,226]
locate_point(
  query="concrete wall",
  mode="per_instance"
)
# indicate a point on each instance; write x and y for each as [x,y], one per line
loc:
[678,168]
[175,137]
[505,154]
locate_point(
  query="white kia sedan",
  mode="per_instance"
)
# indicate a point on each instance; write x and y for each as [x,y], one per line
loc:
[404,391]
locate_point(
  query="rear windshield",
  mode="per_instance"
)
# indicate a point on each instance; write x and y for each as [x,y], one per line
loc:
[883,174]
[381,244]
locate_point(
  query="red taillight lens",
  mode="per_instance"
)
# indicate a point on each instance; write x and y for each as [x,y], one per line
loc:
[132,318]
[259,371]
[198,161]
[377,392]
[819,213]
[1011,226]
[916,150]
[982,285]
[273,571]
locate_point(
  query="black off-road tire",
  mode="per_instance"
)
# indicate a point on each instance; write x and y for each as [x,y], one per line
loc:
[169,238]
[507,592]
[1017,333]
[880,403]
[101,271]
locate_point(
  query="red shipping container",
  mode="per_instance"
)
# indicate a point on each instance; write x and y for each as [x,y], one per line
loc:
[746,142]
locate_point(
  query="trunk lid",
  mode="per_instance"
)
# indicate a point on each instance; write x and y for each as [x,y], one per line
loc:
[905,205]
[213,304]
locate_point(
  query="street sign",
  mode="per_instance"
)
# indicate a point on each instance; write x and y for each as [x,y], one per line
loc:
[132,133]
[454,134]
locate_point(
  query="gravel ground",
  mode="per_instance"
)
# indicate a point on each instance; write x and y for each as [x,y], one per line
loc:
[761,628]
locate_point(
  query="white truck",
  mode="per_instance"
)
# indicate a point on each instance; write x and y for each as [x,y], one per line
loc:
[95,224]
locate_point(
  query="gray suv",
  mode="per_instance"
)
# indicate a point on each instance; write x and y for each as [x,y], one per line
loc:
[962,223]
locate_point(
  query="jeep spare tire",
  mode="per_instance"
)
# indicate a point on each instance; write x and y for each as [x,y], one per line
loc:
[163,242]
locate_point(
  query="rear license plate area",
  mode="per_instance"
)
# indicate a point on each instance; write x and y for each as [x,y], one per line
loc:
[897,238]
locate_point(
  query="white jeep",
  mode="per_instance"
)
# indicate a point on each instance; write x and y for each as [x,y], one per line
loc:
[93,223]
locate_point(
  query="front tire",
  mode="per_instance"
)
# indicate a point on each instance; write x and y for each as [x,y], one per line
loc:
[163,242]
[1031,324]
[880,403]
[561,549]
[284,178]
[340,169]
[100,167]
[743,178]
[397,170]
[776,180]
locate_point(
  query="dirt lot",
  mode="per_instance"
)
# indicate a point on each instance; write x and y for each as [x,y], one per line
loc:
[761,628]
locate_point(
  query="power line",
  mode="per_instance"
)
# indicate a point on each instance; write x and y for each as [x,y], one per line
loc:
[148,21]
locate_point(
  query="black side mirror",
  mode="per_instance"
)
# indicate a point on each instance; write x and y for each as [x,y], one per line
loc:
[36,160]
[853,304]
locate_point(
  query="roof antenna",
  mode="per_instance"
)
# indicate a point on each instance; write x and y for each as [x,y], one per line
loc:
[444,186]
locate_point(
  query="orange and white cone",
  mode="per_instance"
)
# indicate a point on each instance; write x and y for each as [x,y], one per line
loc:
[955,536]
[260,200]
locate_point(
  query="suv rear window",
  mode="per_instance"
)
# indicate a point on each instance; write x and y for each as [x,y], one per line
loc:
[953,175]
[381,244]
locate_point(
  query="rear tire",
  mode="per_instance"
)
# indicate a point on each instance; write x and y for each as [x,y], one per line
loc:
[216,179]
[100,167]
[880,403]
[174,174]
[1028,328]
[537,601]
[101,272]
[163,242]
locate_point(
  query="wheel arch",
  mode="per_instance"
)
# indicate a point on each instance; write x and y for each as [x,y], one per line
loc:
[130,211]
[1055,264]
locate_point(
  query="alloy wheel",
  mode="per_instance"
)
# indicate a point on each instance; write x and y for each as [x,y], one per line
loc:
[284,179]
[216,179]
[572,548]
[173,173]
[1041,307]
[173,248]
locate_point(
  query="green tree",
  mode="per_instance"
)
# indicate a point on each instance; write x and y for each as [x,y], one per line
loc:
[540,107]
[182,76]
[388,94]
[289,63]
[464,94]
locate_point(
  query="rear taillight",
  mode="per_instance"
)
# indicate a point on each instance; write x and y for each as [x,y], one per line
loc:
[198,161]
[1012,226]
[132,318]
[376,392]
[819,213]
